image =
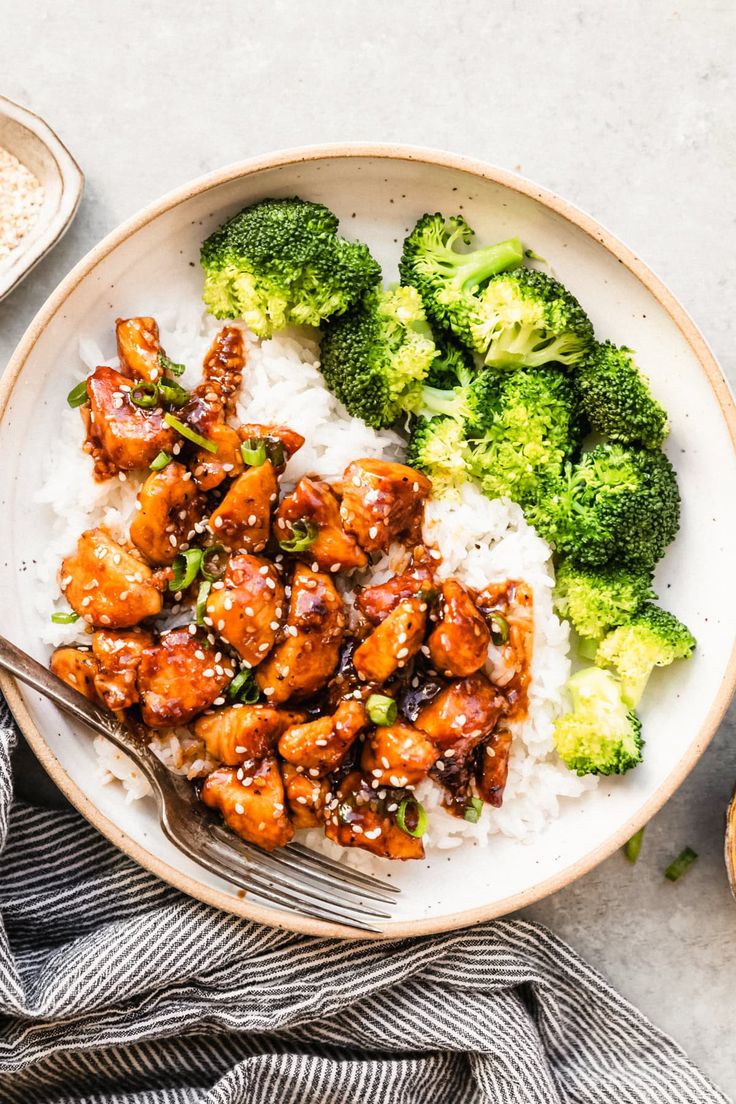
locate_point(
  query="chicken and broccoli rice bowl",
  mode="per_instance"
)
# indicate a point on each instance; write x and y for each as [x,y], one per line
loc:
[371,564]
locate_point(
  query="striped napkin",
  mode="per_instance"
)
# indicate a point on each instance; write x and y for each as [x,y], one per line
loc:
[116,989]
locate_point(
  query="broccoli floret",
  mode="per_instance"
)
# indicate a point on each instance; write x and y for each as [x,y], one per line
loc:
[595,600]
[449,280]
[617,399]
[523,427]
[529,319]
[375,357]
[652,638]
[519,427]
[617,505]
[600,735]
[438,448]
[281,262]
[453,364]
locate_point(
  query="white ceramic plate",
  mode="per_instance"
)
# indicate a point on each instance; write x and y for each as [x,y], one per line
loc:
[378,192]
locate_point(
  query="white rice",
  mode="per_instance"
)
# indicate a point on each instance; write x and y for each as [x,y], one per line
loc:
[481,541]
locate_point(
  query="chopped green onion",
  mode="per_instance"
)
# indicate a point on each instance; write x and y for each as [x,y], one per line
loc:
[275,452]
[632,847]
[186,568]
[78,395]
[499,629]
[169,365]
[303,534]
[204,589]
[678,866]
[345,812]
[172,392]
[64,618]
[144,394]
[382,710]
[243,688]
[160,462]
[253,452]
[411,817]
[190,434]
[472,810]
[215,571]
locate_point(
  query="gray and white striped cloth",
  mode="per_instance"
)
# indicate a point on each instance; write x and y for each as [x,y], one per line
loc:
[115,988]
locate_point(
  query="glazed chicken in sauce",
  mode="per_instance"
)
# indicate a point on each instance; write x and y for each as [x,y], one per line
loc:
[318,697]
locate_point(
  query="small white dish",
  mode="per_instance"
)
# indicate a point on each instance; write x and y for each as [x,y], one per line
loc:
[37,147]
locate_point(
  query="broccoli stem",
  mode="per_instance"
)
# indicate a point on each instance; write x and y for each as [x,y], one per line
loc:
[471,269]
[451,404]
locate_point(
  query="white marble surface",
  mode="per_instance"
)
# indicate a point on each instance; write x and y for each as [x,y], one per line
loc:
[625,108]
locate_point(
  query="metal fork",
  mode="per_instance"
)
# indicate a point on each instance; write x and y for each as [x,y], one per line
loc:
[294,878]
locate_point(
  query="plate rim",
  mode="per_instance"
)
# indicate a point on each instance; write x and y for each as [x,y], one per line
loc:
[240,906]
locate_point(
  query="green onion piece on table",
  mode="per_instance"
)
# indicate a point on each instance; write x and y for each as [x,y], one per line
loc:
[253,452]
[211,568]
[411,817]
[144,394]
[64,618]
[632,847]
[382,710]
[204,589]
[499,629]
[172,392]
[243,688]
[190,434]
[171,366]
[160,462]
[78,395]
[473,810]
[303,534]
[186,568]
[680,865]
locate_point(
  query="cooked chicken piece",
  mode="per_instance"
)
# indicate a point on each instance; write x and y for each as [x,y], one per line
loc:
[211,404]
[280,441]
[107,586]
[242,521]
[398,755]
[493,767]
[120,435]
[514,602]
[252,802]
[392,643]
[313,502]
[78,668]
[459,644]
[310,652]
[211,469]
[118,656]
[240,733]
[139,348]
[168,508]
[358,817]
[222,370]
[382,502]
[462,714]
[248,609]
[376,602]
[305,797]
[180,677]
[320,746]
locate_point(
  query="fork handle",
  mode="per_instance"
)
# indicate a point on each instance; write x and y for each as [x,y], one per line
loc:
[35,675]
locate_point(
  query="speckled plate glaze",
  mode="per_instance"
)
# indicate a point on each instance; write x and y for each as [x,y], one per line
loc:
[378,192]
